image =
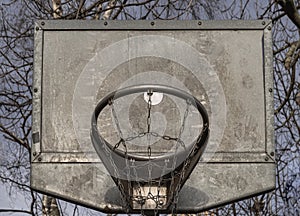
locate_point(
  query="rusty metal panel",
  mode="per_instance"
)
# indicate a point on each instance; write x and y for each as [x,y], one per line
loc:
[225,64]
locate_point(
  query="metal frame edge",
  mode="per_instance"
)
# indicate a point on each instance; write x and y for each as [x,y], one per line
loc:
[153,24]
[37,93]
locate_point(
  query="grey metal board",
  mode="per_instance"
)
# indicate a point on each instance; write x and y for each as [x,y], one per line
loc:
[226,64]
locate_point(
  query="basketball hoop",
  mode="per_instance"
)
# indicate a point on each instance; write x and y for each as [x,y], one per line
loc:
[150,181]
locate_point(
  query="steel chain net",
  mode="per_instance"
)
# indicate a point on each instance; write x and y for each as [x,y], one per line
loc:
[153,190]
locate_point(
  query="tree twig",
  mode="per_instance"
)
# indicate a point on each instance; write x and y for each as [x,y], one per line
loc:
[290,9]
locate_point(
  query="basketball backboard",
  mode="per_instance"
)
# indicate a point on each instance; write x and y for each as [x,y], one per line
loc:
[226,65]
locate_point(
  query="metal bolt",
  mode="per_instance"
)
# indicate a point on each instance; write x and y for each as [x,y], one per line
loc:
[37,28]
[34,153]
[269,28]
[105,23]
[40,159]
[199,23]
[42,23]
[270,89]
[152,23]
[35,90]
[266,158]
[272,154]
[263,23]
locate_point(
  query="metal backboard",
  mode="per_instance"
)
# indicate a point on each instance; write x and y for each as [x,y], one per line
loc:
[225,64]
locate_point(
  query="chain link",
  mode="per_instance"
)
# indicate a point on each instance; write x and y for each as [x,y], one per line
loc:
[149,93]
[115,118]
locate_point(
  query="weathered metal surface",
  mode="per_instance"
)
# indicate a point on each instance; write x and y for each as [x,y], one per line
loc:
[210,185]
[227,65]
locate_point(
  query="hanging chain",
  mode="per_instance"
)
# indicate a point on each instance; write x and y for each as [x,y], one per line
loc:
[117,176]
[154,134]
[181,130]
[138,197]
[116,171]
[149,133]
[117,123]
[159,201]
[149,106]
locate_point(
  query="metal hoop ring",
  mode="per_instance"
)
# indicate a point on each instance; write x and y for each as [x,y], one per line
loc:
[98,141]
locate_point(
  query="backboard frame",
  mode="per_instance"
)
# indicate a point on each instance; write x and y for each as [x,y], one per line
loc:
[39,158]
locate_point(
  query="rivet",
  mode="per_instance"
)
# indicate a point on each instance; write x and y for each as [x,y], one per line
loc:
[35,90]
[105,23]
[263,23]
[269,28]
[270,89]
[37,28]
[40,159]
[272,154]
[42,23]
[152,23]
[266,158]
[34,153]
[199,23]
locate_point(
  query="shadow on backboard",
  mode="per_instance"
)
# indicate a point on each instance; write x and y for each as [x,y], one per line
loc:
[189,197]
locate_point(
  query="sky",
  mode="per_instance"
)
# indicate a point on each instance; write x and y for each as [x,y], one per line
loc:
[11,202]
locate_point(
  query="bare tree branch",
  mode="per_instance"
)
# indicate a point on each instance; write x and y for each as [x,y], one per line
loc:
[290,9]
[292,55]
[11,136]
[109,9]
[12,211]
[289,91]
[50,207]
[57,9]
